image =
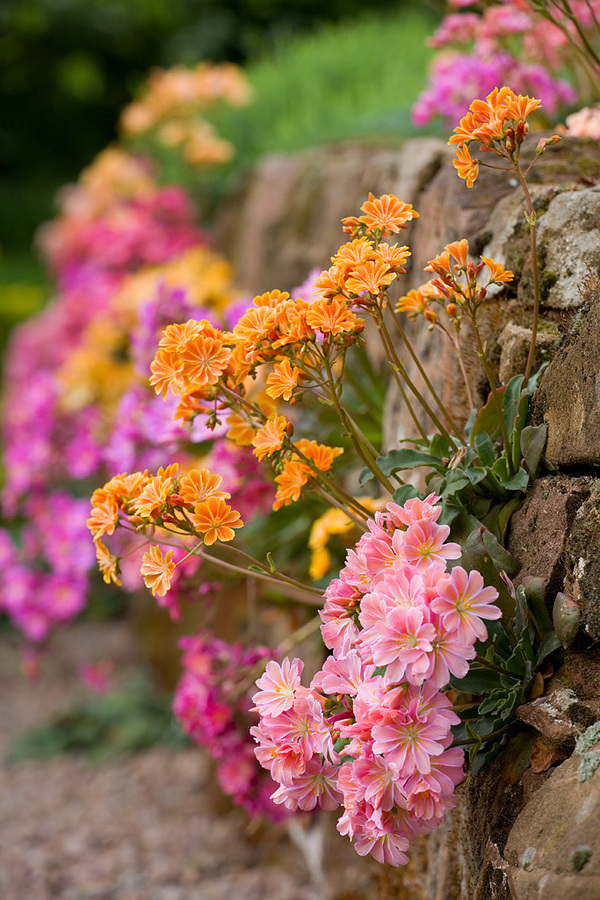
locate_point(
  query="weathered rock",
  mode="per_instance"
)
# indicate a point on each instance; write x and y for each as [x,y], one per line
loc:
[582,562]
[514,343]
[568,397]
[568,237]
[285,219]
[553,849]
[539,530]
[571,701]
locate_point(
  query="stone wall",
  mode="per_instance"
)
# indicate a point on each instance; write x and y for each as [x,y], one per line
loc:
[527,827]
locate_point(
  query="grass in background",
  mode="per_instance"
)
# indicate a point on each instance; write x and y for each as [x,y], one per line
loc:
[356,80]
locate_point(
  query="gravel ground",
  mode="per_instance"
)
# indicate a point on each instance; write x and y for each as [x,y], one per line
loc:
[144,827]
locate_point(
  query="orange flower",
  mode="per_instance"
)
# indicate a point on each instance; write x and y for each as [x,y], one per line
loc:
[440,264]
[293,328]
[241,432]
[330,283]
[175,338]
[394,257]
[333,317]
[320,454]
[269,438]
[108,564]
[154,495]
[216,520]
[104,515]
[353,253]
[386,214]
[290,482]
[519,107]
[166,369]
[466,167]
[498,273]
[271,298]
[370,276]
[200,484]
[282,380]
[458,250]
[259,323]
[157,570]
[495,120]
[414,303]
[204,361]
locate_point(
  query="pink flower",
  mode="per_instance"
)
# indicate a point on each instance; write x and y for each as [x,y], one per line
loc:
[463,601]
[423,543]
[317,786]
[402,642]
[277,687]
[342,676]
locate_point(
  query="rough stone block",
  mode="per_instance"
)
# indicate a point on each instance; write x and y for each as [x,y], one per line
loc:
[568,397]
[582,562]
[539,530]
[553,849]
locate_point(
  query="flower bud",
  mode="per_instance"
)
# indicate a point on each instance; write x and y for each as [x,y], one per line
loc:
[565,617]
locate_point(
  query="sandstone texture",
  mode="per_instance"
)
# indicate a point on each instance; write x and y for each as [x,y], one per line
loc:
[553,850]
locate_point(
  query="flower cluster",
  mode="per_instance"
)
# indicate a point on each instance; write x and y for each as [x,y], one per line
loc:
[191,504]
[128,258]
[499,125]
[213,703]
[173,107]
[505,41]
[372,732]
[283,347]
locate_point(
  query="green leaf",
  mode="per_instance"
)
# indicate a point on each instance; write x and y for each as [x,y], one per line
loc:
[510,402]
[456,479]
[404,493]
[440,447]
[503,516]
[533,441]
[475,475]
[519,424]
[486,419]
[502,559]
[365,476]
[485,449]
[518,482]
[406,458]
[487,753]
[549,643]
[478,680]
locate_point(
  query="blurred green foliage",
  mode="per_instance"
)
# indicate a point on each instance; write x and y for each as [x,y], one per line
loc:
[356,79]
[67,67]
[129,720]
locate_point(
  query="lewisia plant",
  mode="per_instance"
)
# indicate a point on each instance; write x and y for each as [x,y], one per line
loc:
[549,48]
[414,673]
[372,732]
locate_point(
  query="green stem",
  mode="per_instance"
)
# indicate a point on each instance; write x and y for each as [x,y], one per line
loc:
[494,390]
[355,435]
[299,635]
[535,270]
[299,592]
[424,375]
[410,384]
